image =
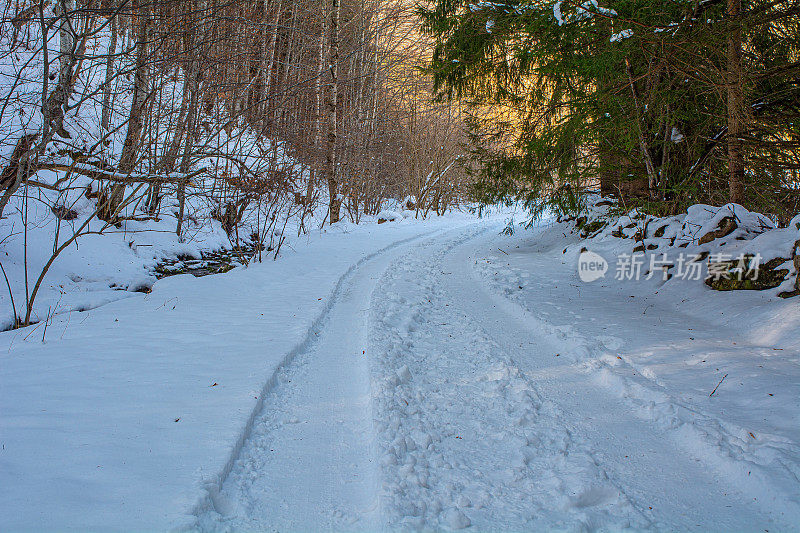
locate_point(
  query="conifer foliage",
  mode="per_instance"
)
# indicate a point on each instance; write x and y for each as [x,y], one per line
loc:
[662,103]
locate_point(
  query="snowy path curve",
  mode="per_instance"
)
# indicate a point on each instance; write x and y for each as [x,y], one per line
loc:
[483,424]
[424,401]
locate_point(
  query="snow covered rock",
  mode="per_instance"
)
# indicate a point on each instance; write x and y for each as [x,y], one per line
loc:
[724,228]
[747,274]
[389,216]
[739,249]
[768,261]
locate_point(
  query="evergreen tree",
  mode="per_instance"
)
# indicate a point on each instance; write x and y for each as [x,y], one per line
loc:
[643,99]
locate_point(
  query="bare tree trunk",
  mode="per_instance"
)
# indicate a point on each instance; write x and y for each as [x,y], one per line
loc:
[270,58]
[290,50]
[53,106]
[644,146]
[130,149]
[132,144]
[112,48]
[67,40]
[610,172]
[56,103]
[191,119]
[193,79]
[318,89]
[167,163]
[735,104]
[332,105]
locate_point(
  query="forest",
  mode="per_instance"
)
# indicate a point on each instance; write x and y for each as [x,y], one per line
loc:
[246,114]
[663,104]
[399,265]
[230,102]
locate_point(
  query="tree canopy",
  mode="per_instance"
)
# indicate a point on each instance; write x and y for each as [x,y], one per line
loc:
[662,103]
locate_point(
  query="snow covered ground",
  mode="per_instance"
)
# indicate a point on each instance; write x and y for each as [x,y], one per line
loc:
[635,363]
[128,414]
[423,376]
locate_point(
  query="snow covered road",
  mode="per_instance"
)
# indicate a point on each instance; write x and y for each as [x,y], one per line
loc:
[128,415]
[434,400]
[452,378]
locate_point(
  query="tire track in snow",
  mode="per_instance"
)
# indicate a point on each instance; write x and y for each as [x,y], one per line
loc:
[211,487]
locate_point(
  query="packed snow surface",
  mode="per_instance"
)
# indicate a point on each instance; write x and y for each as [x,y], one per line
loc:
[434,376]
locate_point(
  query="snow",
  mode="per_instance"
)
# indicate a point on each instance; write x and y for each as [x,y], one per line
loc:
[621,36]
[97,268]
[430,375]
[411,375]
[589,8]
[466,436]
[661,348]
[584,11]
[684,232]
[557,13]
[116,419]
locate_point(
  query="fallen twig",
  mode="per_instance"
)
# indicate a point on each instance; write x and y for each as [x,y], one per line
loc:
[718,384]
